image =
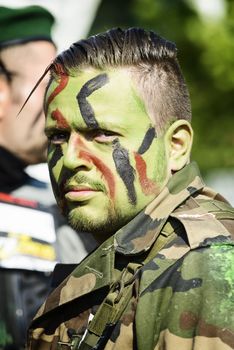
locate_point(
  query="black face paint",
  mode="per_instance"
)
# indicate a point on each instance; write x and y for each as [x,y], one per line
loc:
[58,153]
[85,107]
[148,139]
[124,169]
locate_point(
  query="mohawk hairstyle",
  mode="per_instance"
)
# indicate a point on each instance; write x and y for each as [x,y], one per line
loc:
[153,64]
[116,47]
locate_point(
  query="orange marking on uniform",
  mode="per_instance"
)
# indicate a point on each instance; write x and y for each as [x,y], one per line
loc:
[147,185]
[4,197]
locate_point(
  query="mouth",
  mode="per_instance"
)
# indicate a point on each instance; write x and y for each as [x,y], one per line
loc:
[79,193]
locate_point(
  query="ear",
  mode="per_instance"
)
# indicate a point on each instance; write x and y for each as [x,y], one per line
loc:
[178,141]
[4,97]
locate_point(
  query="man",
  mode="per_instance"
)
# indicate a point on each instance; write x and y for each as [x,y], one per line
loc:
[118,124]
[27,251]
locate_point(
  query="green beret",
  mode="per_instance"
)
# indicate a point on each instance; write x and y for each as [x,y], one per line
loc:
[21,25]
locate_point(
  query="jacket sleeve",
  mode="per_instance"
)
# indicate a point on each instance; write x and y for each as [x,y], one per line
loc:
[191,305]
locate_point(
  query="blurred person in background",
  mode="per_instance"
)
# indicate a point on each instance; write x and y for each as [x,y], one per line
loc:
[26,48]
[118,122]
[29,236]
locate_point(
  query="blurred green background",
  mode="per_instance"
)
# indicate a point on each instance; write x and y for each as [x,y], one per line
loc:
[204,33]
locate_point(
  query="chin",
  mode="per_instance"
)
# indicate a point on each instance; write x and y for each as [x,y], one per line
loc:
[107,226]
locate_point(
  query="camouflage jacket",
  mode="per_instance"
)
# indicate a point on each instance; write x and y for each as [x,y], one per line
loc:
[164,281]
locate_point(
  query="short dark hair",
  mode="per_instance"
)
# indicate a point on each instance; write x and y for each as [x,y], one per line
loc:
[153,63]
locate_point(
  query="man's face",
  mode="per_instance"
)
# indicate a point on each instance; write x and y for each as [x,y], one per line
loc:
[105,160]
[24,135]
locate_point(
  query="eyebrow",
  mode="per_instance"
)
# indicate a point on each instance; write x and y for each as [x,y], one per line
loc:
[101,126]
[87,89]
[110,126]
[6,72]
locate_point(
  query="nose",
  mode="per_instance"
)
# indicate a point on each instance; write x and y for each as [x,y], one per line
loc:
[73,158]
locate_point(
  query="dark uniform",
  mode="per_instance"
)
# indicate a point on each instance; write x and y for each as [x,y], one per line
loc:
[27,251]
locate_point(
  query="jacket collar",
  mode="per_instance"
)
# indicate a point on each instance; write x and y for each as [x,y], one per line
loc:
[139,234]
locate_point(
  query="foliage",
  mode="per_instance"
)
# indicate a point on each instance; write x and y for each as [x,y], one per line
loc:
[206,54]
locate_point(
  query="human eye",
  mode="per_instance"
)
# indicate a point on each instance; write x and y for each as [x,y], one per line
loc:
[57,137]
[105,136]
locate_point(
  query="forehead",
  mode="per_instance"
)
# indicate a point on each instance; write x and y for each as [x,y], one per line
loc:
[28,61]
[111,94]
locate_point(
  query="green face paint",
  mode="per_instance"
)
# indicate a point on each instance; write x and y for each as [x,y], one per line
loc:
[105,161]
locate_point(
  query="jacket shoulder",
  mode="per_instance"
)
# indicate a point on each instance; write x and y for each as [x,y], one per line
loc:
[205,221]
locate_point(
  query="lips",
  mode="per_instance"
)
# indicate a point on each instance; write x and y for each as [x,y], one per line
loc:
[78,188]
[79,192]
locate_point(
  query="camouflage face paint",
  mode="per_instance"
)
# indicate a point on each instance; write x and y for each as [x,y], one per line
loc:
[61,121]
[148,139]
[87,89]
[124,169]
[63,80]
[108,140]
[104,170]
[52,162]
[148,186]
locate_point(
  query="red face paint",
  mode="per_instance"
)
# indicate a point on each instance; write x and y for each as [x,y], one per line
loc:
[59,69]
[79,142]
[147,185]
[62,84]
[102,168]
[58,116]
